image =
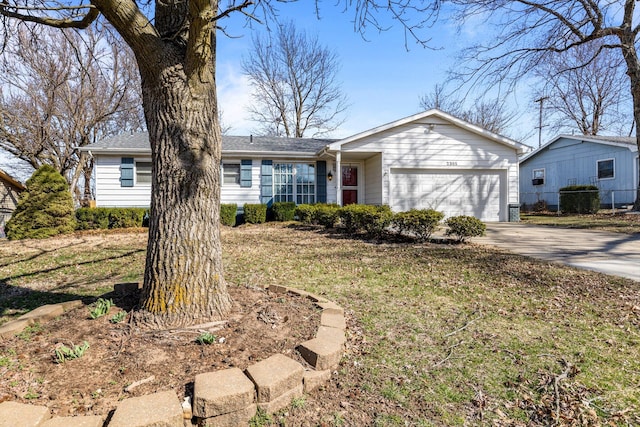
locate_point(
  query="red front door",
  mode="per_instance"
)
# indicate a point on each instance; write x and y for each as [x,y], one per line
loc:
[349,185]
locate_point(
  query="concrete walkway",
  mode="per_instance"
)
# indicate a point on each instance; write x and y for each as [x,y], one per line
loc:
[610,253]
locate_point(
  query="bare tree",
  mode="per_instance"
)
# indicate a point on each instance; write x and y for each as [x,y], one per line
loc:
[175,54]
[294,84]
[492,115]
[55,100]
[582,90]
[529,33]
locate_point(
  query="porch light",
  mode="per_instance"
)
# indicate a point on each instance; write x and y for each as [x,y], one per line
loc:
[330,176]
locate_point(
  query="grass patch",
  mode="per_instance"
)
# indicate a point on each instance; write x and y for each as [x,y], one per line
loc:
[614,222]
[437,334]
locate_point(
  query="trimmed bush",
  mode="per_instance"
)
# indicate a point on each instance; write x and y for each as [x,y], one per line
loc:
[255,213]
[92,218]
[45,208]
[126,217]
[306,213]
[104,218]
[326,215]
[419,223]
[580,199]
[228,212]
[464,227]
[374,220]
[283,211]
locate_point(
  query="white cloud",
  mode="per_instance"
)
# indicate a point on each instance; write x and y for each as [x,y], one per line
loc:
[234,95]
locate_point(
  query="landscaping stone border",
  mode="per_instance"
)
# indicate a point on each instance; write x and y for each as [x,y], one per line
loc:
[224,398]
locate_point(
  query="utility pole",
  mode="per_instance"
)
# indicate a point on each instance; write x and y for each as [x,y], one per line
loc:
[541,101]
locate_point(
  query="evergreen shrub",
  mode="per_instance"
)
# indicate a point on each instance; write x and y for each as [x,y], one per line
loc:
[283,211]
[228,212]
[419,223]
[255,213]
[45,208]
[580,199]
[464,227]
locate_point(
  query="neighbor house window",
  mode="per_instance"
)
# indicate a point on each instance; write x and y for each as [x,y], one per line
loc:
[231,174]
[294,182]
[143,172]
[605,169]
[538,176]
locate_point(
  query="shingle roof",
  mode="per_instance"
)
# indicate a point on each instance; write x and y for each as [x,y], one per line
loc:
[140,142]
[631,140]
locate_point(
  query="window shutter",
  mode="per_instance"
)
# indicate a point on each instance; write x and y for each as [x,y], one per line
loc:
[245,173]
[126,172]
[321,181]
[266,182]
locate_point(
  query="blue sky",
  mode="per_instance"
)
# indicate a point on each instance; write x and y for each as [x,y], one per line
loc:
[382,78]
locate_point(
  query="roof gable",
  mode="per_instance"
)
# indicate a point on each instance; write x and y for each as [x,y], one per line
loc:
[435,114]
[613,141]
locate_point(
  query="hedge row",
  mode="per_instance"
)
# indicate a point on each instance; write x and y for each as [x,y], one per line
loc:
[377,220]
[372,220]
[106,218]
[580,199]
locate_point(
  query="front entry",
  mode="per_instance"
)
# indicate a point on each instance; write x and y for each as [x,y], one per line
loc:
[349,184]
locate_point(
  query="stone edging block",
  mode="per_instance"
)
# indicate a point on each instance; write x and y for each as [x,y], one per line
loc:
[39,315]
[225,398]
[88,421]
[161,409]
[220,392]
[275,376]
[14,414]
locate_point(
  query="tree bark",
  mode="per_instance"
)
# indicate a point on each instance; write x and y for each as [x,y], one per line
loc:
[183,280]
[630,55]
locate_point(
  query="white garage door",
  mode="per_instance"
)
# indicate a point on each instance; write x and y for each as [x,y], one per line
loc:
[463,192]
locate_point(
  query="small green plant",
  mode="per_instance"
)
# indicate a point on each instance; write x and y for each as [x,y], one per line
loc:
[464,226]
[31,395]
[206,338]
[261,419]
[29,331]
[298,402]
[5,362]
[118,317]
[64,353]
[100,308]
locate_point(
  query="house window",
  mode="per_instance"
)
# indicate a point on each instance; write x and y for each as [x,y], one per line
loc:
[230,174]
[538,177]
[294,182]
[605,169]
[143,172]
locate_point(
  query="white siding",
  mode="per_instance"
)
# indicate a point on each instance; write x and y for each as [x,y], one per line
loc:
[233,193]
[445,148]
[373,180]
[109,193]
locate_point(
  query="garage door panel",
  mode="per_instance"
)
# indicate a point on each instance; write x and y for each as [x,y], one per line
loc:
[467,192]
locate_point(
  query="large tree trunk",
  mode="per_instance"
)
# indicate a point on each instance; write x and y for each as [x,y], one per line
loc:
[633,71]
[183,280]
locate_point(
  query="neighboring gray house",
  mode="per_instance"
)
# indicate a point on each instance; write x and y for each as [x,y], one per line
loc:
[10,188]
[610,163]
[428,160]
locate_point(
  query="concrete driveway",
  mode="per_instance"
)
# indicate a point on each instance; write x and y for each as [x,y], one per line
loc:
[610,253]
